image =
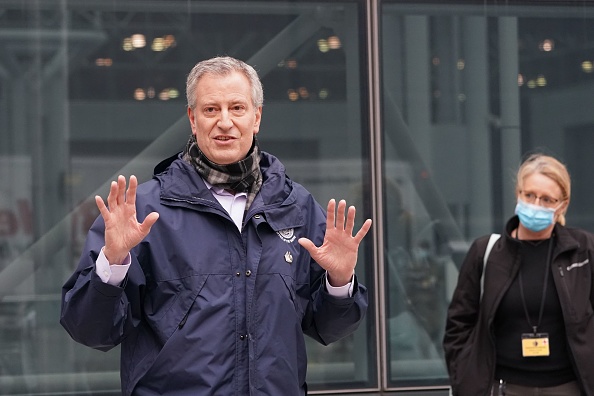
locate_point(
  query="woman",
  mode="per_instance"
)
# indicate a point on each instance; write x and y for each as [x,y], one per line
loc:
[529,329]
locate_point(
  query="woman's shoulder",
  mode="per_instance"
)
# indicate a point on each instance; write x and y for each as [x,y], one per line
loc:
[482,241]
[577,231]
[582,236]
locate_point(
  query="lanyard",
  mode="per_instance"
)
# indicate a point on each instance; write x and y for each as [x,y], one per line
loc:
[544,289]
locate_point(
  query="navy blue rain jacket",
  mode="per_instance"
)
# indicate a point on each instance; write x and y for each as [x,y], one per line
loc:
[205,309]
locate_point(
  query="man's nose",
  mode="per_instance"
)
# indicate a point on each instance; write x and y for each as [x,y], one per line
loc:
[225,120]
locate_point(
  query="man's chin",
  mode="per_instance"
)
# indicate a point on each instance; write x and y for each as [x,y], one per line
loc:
[225,159]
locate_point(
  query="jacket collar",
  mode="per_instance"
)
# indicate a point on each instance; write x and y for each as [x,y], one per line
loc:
[564,239]
[180,182]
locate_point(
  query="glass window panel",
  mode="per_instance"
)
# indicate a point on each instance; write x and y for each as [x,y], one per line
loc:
[468,89]
[95,89]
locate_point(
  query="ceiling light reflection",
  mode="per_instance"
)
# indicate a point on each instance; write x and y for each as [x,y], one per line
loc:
[138,40]
[127,44]
[104,62]
[546,45]
[163,43]
[139,94]
[334,42]
[293,95]
[323,45]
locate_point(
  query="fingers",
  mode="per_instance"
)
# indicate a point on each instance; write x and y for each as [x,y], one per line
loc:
[308,245]
[363,231]
[112,196]
[121,190]
[148,222]
[338,219]
[101,206]
[340,214]
[350,221]
[336,215]
[330,215]
[118,195]
[131,193]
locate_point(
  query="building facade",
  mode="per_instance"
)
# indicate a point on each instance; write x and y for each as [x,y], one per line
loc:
[418,112]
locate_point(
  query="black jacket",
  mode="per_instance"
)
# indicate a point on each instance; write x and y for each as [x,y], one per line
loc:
[469,341]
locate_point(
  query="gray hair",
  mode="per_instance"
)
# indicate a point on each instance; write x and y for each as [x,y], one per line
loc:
[222,66]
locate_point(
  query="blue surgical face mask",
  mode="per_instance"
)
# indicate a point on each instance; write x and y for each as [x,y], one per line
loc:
[535,218]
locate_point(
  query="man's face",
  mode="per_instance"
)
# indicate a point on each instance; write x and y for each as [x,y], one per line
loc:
[225,119]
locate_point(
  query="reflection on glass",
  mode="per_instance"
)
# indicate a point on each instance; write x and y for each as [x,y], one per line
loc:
[465,92]
[415,282]
[95,90]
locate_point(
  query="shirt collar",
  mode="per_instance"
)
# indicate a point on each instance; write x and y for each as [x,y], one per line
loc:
[222,191]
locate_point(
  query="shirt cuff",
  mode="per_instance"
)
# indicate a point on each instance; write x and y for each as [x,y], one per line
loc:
[340,291]
[111,274]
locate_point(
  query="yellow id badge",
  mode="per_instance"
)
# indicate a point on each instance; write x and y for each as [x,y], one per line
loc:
[535,344]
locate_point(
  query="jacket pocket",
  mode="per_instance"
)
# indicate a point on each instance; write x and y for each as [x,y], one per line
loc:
[574,290]
[167,305]
[458,368]
[290,285]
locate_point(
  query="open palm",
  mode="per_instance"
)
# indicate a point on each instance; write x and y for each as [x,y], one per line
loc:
[338,253]
[122,229]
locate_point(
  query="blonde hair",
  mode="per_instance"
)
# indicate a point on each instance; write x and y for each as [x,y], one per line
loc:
[553,169]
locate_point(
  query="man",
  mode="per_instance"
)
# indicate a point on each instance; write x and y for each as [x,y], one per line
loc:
[212,293]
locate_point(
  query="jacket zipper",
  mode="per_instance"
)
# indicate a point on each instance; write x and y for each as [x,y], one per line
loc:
[185,318]
[565,289]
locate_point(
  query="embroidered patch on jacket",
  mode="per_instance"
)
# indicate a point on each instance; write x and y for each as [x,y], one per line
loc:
[577,265]
[287,235]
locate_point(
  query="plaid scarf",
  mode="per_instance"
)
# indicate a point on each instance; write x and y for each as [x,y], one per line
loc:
[242,176]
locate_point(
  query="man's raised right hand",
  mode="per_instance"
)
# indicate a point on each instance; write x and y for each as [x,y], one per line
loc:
[122,229]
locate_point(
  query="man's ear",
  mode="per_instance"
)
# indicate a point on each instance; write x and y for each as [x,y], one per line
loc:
[258,119]
[192,119]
